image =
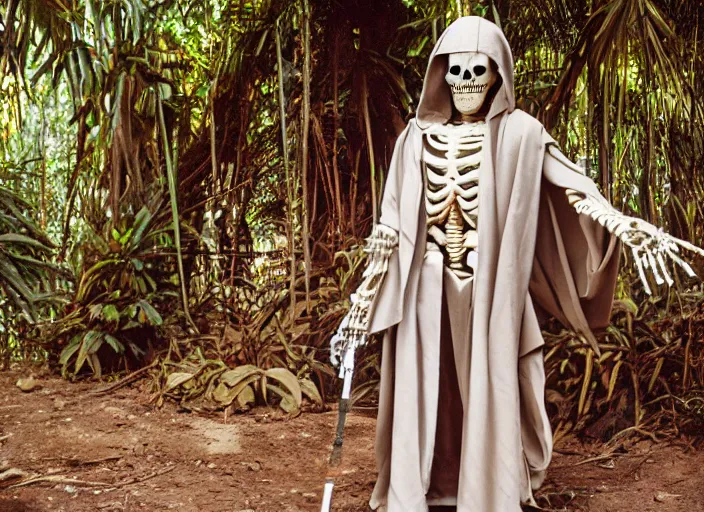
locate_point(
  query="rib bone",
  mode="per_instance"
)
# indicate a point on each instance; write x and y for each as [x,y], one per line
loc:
[452,155]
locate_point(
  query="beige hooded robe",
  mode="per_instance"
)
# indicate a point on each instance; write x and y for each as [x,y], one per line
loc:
[533,249]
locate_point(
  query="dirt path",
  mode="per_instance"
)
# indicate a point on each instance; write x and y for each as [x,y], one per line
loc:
[162,459]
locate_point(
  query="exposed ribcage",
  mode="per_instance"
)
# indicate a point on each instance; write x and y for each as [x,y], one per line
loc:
[452,155]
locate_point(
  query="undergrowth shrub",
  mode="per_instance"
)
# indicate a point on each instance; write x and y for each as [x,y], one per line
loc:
[267,349]
[122,296]
[648,379]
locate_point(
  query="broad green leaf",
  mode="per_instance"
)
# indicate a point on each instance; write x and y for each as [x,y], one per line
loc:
[110,313]
[116,345]
[224,394]
[288,402]
[141,284]
[90,344]
[70,349]
[246,397]
[124,238]
[141,221]
[94,363]
[151,314]
[130,311]
[137,264]
[235,376]
[151,282]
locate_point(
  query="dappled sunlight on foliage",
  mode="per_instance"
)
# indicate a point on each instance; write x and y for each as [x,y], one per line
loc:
[204,174]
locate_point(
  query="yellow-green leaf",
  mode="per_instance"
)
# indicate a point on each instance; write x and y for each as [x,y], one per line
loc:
[589,364]
[289,381]
[176,379]
[233,377]
[612,380]
[224,394]
[246,397]
[311,391]
[656,373]
[288,404]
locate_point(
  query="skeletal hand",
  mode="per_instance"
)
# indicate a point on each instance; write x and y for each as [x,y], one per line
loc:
[650,245]
[352,330]
[354,326]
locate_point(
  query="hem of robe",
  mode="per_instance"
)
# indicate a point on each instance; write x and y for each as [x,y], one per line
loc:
[443,502]
[459,295]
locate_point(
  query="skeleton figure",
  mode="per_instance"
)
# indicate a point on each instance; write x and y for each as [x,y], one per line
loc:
[462,285]
[452,156]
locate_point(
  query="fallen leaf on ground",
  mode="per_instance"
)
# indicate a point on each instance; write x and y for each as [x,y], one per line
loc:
[28,384]
[11,474]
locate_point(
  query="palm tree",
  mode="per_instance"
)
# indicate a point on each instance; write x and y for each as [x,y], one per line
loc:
[25,271]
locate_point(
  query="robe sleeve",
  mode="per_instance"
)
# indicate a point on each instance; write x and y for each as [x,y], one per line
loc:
[390,214]
[386,308]
[576,259]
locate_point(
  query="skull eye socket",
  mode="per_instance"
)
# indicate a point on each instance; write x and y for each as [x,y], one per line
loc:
[455,70]
[479,70]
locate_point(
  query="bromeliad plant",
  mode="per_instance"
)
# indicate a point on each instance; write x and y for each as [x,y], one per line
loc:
[215,385]
[119,301]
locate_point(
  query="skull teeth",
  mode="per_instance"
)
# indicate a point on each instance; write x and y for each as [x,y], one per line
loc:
[470,88]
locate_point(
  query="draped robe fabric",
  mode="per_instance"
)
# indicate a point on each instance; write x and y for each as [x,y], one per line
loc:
[534,249]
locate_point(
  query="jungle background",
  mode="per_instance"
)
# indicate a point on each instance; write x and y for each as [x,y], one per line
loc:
[185,187]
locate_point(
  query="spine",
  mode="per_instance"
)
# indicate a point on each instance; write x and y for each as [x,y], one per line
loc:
[454,230]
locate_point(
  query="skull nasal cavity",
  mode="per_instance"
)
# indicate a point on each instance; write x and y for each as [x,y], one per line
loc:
[467,75]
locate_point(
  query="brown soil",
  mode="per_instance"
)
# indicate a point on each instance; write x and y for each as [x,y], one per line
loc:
[161,459]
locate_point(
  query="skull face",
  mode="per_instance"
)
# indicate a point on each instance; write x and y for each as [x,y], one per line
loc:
[470,76]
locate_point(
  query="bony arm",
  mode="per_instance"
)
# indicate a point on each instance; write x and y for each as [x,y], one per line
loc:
[651,246]
[353,330]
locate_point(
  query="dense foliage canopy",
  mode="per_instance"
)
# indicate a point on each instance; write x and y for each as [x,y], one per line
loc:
[186,183]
